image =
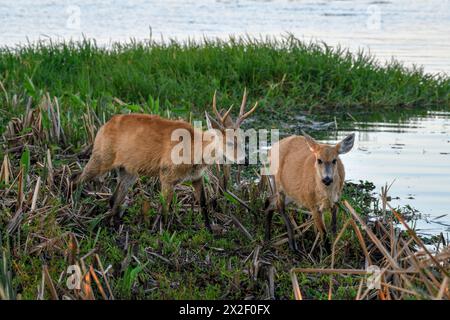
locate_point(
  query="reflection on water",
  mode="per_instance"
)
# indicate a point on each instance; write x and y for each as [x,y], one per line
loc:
[416,32]
[415,154]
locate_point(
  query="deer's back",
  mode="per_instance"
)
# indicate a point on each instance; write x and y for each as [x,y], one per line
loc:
[140,143]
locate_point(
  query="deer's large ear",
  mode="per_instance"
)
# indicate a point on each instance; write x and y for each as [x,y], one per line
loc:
[312,144]
[346,144]
[212,123]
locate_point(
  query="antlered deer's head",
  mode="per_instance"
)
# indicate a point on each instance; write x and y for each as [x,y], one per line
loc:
[232,145]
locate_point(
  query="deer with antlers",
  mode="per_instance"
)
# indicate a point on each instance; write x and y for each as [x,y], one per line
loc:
[226,124]
[139,144]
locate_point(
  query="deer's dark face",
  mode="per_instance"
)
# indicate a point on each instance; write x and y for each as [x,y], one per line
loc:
[231,139]
[229,144]
[327,157]
[326,162]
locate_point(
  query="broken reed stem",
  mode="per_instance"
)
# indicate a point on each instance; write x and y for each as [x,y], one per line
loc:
[97,282]
[443,289]
[35,194]
[361,240]
[360,287]
[295,286]
[331,271]
[49,168]
[372,236]
[88,293]
[377,242]
[5,170]
[100,265]
[333,251]
[418,241]
[49,282]
[240,226]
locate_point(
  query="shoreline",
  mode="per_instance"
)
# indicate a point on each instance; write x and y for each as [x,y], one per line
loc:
[56,98]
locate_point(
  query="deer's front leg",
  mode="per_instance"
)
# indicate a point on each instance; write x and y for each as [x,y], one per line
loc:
[126,180]
[281,204]
[318,221]
[167,187]
[268,210]
[334,211]
[200,197]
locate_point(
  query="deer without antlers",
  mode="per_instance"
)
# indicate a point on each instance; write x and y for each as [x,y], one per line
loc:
[309,173]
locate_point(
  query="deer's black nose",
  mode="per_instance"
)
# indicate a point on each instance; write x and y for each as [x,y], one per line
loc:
[327,181]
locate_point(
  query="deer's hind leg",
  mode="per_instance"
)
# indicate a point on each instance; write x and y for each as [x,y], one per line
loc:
[126,180]
[98,165]
[92,170]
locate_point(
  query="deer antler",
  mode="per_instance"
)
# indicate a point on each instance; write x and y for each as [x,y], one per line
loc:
[242,116]
[217,113]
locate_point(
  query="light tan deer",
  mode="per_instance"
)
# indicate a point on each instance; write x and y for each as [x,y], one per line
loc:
[310,174]
[139,144]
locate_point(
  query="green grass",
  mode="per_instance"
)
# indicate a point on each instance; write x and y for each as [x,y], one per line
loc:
[195,264]
[284,75]
[175,80]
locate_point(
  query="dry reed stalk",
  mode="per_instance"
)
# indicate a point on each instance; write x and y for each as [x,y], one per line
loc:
[35,194]
[86,288]
[443,289]
[240,226]
[102,270]
[255,263]
[333,253]
[296,287]
[97,282]
[376,241]
[361,241]
[413,234]
[49,282]
[5,170]
[50,171]
[20,186]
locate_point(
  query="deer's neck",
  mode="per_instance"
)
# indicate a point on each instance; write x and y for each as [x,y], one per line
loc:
[212,149]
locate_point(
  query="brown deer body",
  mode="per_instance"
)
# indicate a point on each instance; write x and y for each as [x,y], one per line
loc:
[139,144]
[310,174]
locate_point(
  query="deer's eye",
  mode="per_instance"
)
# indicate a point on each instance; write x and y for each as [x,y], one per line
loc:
[334,161]
[319,161]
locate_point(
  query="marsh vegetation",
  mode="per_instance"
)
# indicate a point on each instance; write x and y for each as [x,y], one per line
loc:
[55,97]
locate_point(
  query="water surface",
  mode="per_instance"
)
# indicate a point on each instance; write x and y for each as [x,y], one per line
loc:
[416,32]
[414,154]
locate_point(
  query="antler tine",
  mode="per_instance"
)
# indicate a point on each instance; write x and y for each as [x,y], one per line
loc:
[226,114]
[214,106]
[244,102]
[242,115]
[250,111]
[217,113]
